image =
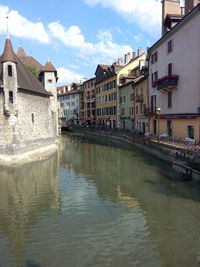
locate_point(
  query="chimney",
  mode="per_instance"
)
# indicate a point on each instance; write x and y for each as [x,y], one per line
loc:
[182,10]
[169,7]
[128,55]
[139,51]
[125,59]
[189,5]
[134,55]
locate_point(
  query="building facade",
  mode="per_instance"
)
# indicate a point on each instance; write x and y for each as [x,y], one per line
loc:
[126,99]
[106,96]
[69,98]
[89,102]
[174,92]
[140,88]
[129,72]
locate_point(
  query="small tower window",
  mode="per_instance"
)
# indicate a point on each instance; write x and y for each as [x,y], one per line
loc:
[50,81]
[32,118]
[11,97]
[10,74]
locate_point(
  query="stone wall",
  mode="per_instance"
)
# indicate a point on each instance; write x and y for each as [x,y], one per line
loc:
[34,118]
[177,158]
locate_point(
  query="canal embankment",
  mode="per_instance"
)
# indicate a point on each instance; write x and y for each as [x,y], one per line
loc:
[185,160]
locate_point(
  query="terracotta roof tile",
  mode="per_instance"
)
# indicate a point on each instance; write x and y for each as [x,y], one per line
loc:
[21,52]
[48,67]
[26,80]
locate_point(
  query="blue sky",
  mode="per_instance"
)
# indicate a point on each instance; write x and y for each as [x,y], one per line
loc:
[76,35]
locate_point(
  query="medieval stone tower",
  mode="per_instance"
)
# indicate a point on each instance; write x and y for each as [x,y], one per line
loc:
[28,106]
[49,78]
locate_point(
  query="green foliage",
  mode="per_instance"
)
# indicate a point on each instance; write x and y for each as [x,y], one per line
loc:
[31,69]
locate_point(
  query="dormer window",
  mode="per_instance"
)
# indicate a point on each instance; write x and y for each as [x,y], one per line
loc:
[10,74]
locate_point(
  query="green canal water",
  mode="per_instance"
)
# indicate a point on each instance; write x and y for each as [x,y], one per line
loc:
[96,205]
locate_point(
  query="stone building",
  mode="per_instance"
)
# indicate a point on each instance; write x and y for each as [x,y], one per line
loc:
[28,106]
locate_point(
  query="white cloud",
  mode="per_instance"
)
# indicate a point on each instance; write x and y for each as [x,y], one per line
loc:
[146,13]
[21,27]
[104,51]
[66,76]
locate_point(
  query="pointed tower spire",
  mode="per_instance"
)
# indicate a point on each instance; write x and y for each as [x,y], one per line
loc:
[49,67]
[7,28]
[21,52]
[8,53]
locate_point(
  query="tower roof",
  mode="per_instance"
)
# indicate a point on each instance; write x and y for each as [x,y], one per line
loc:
[49,67]
[8,53]
[25,79]
[21,52]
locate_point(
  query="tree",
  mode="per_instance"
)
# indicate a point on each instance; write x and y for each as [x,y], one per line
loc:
[32,69]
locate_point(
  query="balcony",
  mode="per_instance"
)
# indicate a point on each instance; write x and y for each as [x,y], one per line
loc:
[167,83]
[139,98]
[150,111]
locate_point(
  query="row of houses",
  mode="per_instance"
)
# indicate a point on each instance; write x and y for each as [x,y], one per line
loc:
[156,91]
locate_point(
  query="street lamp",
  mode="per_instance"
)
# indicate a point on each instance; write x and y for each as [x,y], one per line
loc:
[158,110]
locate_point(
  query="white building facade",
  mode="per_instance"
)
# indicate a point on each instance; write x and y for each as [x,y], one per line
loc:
[174,80]
[69,107]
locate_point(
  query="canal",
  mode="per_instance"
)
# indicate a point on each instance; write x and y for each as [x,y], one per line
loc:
[96,205]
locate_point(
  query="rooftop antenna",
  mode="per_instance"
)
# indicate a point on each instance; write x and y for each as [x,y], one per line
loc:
[7,29]
[48,59]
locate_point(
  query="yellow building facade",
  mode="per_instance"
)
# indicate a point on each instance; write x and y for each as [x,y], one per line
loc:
[128,72]
[106,96]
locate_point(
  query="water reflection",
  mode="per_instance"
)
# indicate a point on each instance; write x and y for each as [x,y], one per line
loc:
[26,193]
[171,208]
[92,205]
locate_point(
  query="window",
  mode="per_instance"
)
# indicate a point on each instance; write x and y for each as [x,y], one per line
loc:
[154,57]
[32,118]
[10,70]
[169,128]
[11,97]
[169,46]
[132,97]
[49,81]
[190,131]
[153,103]
[155,75]
[169,99]
[170,71]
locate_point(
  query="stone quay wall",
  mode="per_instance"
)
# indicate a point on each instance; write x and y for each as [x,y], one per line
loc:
[178,157]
